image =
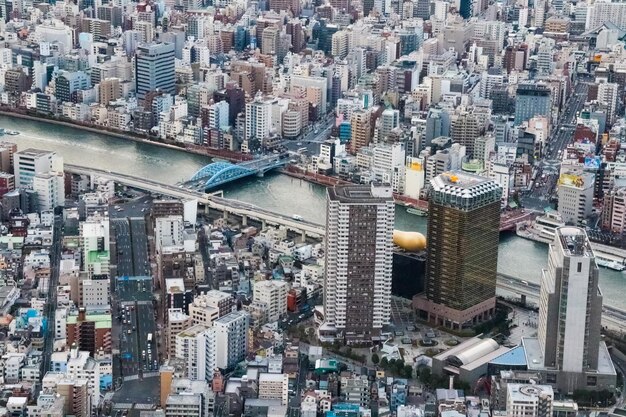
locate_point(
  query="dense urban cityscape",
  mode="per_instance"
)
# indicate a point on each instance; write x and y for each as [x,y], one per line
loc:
[437,226]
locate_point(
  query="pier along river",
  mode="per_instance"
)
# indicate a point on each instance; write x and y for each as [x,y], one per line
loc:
[517,257]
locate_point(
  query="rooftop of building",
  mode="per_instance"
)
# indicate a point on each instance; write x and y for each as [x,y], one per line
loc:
[463,182]
[33,152]
[269,377]
[523,392]
[535,359]
[361,194]
[98,256]
[193,331]
[174,315]
[230,317]
[514,357]
[184,398]
[574,241]
[102,321]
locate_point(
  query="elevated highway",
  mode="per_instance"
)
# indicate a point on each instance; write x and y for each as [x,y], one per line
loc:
[243,210]
[612,317]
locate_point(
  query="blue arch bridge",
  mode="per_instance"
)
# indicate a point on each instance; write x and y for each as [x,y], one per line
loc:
[219,173]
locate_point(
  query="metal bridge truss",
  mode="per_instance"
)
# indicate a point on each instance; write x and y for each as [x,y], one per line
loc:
[218,173]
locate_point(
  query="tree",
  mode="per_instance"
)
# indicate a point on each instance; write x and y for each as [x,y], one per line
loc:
[399,366]
[407,372]
[384,363]
[425,376]
[375,358]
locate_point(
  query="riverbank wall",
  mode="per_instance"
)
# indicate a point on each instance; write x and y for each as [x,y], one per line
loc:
[192,149]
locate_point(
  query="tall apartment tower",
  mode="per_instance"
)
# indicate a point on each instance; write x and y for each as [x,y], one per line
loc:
[607,96]
[361,124]
[357,289]
[463,232]
[154,69]
[464,129]
[570,304]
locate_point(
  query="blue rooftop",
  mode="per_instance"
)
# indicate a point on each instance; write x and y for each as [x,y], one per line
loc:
[514,357]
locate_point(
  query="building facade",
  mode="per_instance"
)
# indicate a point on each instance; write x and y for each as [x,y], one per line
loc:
[357,291]
[461,267]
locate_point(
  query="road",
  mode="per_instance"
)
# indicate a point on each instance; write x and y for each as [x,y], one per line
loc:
[293,409]
[311,140]
[55,259]
[547,170]
[131,247]
[134,321]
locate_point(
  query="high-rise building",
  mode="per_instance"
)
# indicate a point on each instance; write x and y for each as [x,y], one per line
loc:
[614,210]
[532,100]
[389,120]
[29,162]
[274,294]
[607,96]
[461,267]
[154,69]
[358,253]
[168,231]
[95,243]
[177,321]
[68,83]
[576,190]
[89,332]
[388,165]
[568,351]
[361,128]
[464,129]
[274,386]
[229,340]
[258,119]
[191,348]
[570,304]
[50,189]
[604,11]
[202,312]
[109,90]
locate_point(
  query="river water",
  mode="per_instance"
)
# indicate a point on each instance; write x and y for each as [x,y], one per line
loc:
[517,257]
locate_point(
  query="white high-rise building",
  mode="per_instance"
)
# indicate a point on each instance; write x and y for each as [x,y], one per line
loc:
[607,96]
[191,347]
[218,115]
[389,120]
[575,196]
[258,119]
[30,162]
[169,231]
[603,11]
[95,243]
[414,177]
[529,400]
[540,13]
[388,165]
[274,294]
[570,309]
[228,340]
[358,261]
[50,188]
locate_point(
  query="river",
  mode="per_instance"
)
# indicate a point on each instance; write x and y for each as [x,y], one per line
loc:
[518,257]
